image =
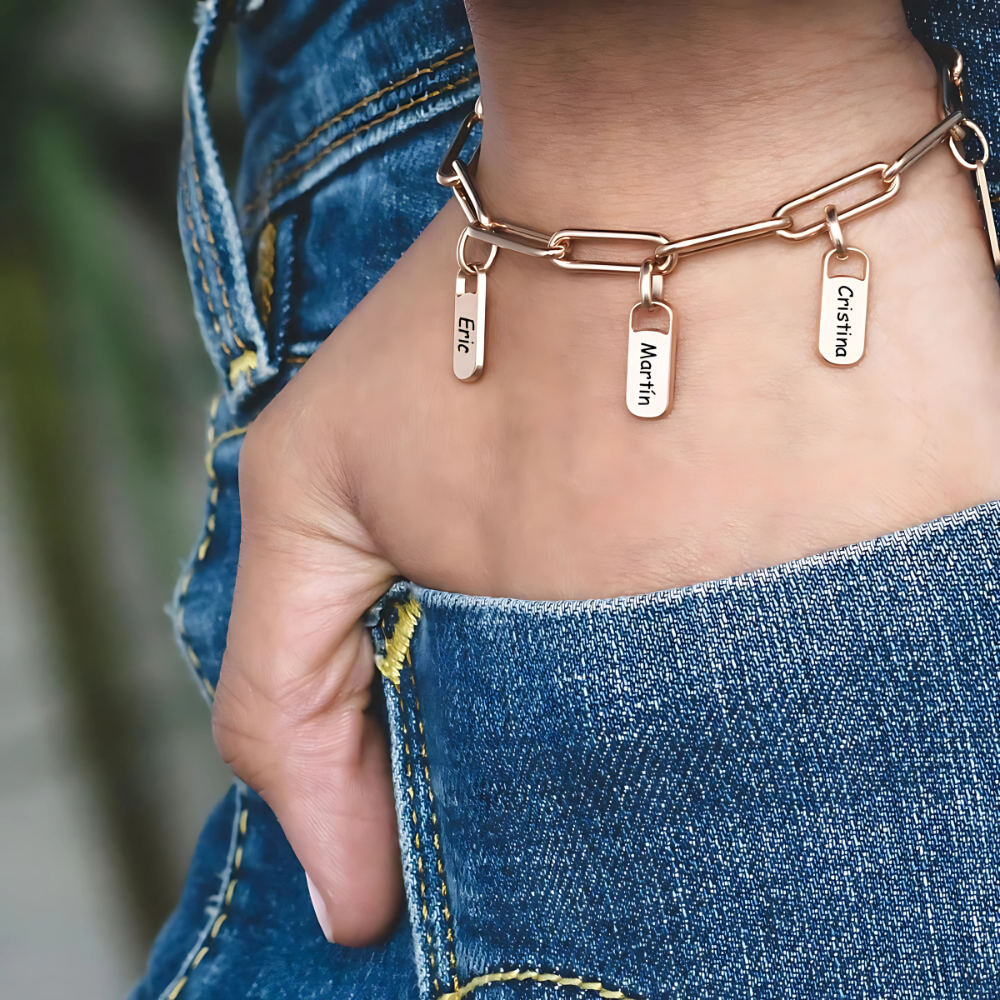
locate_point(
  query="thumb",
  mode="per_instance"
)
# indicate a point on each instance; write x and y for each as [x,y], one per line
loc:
[291,713]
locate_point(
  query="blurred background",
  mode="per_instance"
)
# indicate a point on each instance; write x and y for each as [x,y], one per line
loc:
[107,767]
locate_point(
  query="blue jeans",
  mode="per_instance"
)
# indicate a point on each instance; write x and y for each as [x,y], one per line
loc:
[785,784]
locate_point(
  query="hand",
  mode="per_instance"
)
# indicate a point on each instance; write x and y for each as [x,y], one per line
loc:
[536,482]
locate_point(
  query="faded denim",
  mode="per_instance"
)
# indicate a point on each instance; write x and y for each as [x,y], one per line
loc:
[783,785]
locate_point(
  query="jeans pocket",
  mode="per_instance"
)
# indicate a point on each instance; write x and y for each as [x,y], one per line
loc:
[332,195]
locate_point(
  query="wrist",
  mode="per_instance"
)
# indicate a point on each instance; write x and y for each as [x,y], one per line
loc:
[707,116]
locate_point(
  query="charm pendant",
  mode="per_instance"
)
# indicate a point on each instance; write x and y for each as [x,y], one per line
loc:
[652,358]
[843,313]
[470,326]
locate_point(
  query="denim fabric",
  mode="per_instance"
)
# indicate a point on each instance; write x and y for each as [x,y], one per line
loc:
[778,785]
[348,107]
[785,784]
[245,927]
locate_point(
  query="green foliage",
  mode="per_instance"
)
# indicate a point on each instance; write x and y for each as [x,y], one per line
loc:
[102,385]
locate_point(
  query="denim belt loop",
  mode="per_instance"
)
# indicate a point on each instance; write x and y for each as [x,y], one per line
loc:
[210,235]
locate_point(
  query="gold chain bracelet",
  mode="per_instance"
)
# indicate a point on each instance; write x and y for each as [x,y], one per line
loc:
[652,352]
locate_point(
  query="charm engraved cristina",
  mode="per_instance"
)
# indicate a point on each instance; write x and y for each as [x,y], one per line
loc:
[844,314]
[652,357]
[470,327]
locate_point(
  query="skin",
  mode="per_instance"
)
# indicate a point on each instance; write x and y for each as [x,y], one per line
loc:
[535,482]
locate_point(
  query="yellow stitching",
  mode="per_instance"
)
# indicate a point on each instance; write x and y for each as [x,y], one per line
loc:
[213,444]
[327,150]
[398,644]
[210,236]
[416,833]
[201,265]
[404,649]
[363,103]
[222,916]
[539,977]
[211,246]
[263,282]
[246,362]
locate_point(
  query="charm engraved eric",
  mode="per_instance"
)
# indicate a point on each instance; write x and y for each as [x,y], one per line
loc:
[470,326]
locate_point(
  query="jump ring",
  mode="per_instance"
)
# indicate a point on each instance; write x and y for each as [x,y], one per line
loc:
[978,132]
[646,283]
[463,265]
[665,265]
[836,233]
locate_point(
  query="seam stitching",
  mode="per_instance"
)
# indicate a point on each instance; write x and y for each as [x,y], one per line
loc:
[196,246]
[397,649]
[363,103]
[203,546]
[520,975]
[214,250]
[416,835]
[220,904]
[264,279]
[390,664]
[264,197]
[209,235]
[437,835]
[397,646]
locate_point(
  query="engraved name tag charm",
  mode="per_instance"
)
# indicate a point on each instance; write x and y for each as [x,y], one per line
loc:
[843,313]
[652,357]
[470,326]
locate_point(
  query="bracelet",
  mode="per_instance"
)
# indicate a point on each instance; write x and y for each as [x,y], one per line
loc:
[652,352]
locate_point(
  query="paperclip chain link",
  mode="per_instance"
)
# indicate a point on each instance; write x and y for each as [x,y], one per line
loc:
[652,331]
[665,253]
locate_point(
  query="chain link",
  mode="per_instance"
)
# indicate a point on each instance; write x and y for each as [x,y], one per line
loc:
[464,266]
[958,149]
[665,253]
[924,145]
